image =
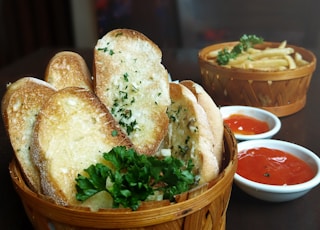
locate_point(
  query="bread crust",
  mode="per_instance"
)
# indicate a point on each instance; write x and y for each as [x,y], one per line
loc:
[67,68]
[20,106]
[213,113]
[189,136]
[133,84]
[72,131]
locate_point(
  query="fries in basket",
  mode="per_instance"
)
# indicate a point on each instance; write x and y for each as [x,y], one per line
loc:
[267,59]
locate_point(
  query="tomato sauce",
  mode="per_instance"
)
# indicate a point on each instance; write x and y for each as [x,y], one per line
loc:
[246,125]
[272,166]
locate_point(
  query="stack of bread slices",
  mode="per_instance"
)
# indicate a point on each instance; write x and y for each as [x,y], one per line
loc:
[62,124]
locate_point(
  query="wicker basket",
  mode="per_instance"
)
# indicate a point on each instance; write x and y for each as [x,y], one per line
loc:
[280,92]
[201,208]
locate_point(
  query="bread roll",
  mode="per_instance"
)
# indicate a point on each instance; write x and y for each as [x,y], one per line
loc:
[20,106]
[72,131]
[133,84]
[189,136]
[213,113]
[67,69]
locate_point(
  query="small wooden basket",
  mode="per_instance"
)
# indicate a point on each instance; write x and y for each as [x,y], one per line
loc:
[201,208]
[280,92]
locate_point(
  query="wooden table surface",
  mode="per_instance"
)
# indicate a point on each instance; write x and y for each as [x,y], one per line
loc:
[244,212]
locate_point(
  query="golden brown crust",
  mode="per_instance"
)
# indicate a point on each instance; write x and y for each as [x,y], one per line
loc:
[213,113]
[133,84]
[20,106]
[189,136]
[66,69]
[72,131]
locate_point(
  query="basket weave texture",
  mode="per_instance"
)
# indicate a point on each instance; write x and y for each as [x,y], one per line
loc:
[280,92]
[201,208]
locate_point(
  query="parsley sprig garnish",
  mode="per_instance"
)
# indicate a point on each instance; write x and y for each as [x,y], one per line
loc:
[132,178]
[246,42]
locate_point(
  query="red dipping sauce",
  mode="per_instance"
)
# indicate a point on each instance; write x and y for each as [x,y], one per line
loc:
[246,125]
[273,167]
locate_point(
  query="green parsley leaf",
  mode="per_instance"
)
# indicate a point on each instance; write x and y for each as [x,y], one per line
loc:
[114,133]
[246,42]
[126,77]
[131,178]
[89,186]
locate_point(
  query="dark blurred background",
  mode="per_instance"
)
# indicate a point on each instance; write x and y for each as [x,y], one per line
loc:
[28,25]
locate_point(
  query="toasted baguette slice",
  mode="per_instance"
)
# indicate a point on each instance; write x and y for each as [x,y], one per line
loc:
[189,136]
[20,106]
[131,81]
[66,69]
[213,113]
[72,131]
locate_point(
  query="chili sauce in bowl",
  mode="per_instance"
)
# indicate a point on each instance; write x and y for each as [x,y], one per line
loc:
[249,123]
[276,170]
[273,166]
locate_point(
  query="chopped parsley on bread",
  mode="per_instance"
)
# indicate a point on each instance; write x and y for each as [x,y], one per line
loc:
[189,136]
[213,114]
[133,84]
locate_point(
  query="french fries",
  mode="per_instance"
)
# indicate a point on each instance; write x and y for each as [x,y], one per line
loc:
[268,59]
